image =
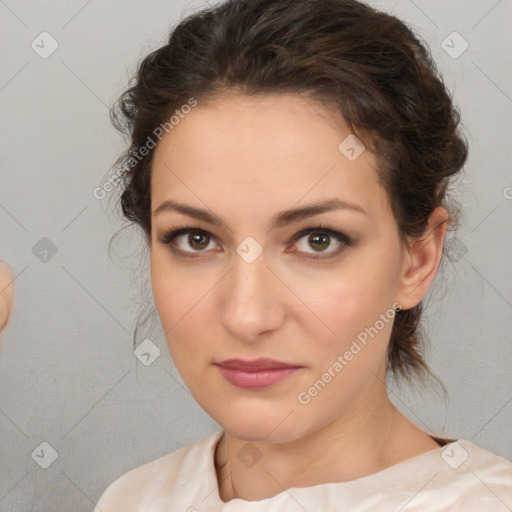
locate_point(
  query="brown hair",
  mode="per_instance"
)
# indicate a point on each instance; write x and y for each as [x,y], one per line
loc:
[367,64]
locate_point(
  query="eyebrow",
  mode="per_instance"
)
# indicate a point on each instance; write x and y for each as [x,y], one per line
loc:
[277,220]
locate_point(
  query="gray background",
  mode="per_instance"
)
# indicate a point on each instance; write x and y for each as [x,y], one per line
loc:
[68,375]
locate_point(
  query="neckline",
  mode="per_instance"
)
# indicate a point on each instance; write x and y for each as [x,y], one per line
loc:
[362,481]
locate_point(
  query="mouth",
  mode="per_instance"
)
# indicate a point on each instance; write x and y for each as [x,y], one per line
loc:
[256,374]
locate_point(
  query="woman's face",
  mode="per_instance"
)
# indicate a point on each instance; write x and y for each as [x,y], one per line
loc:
[249,287]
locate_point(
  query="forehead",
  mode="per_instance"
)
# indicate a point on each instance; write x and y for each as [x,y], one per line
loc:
[264,153]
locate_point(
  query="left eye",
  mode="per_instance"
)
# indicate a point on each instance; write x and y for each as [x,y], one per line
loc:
[319,238]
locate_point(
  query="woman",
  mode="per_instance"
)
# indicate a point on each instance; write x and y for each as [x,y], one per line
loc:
[288,167]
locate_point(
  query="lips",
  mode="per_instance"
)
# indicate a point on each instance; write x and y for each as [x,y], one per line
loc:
[263,363]
[257,374]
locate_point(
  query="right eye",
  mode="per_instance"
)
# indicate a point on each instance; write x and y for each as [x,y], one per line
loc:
[197,238]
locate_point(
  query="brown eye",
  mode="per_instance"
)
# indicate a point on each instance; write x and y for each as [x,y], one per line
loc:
[320,239]
[197,240]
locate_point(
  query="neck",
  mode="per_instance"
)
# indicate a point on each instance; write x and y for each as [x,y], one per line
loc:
[358,443]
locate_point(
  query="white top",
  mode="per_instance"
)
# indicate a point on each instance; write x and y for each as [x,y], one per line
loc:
[460,476]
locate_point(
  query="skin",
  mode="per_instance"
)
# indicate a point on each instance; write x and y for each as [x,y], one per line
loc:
[6,293]
[244,159]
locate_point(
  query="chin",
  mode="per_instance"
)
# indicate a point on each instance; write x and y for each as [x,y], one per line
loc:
[255,429]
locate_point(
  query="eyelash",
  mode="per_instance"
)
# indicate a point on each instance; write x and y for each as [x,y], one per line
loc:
[168,237]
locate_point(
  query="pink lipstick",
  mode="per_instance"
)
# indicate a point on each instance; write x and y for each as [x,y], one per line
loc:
[257,374]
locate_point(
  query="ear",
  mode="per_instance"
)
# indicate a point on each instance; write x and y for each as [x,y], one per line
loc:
[422,259]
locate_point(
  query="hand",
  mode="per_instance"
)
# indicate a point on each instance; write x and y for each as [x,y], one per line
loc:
[6,293]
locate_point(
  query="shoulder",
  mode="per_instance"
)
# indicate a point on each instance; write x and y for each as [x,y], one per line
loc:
[138,487]
[476,475]
[476,458]
[460,476]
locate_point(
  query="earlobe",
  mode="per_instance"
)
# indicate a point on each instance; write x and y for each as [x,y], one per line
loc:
[422,260]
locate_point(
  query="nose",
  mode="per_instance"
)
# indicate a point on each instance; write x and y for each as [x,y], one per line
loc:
[251,301]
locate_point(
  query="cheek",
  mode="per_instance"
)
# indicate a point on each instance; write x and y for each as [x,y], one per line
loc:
[181,299]
[350,303]
[353,300]
[175,290]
